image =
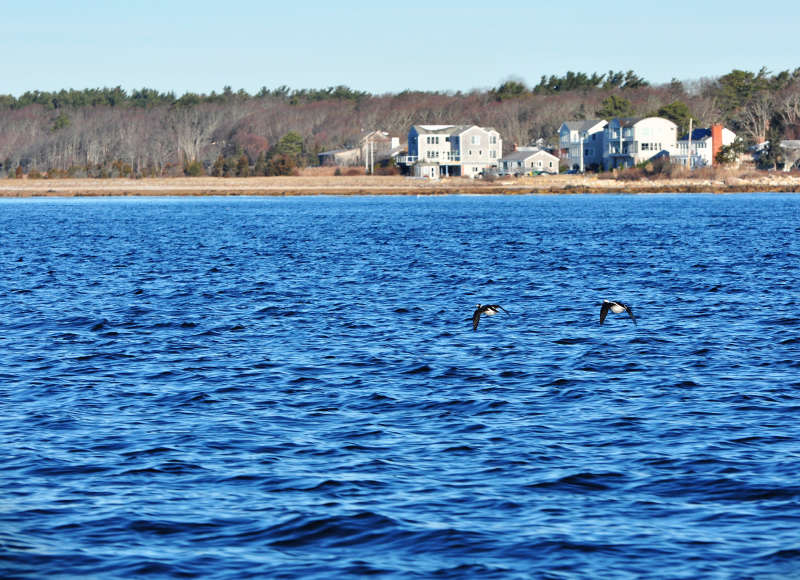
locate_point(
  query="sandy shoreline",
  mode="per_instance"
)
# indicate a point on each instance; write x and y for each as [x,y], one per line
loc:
[384,185]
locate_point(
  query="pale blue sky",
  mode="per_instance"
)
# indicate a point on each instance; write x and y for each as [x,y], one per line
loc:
[380,46]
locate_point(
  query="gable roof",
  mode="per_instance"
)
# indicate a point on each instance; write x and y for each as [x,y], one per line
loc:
[465,128]
[523,155]
[628,121]
[583,125]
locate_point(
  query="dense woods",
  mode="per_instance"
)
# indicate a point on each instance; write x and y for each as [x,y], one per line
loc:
[110,132]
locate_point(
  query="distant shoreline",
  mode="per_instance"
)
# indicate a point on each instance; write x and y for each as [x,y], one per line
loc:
[386,185]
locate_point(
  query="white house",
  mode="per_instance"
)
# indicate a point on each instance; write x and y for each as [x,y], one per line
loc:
[527,160]
[581,143]
[628,142]
[443,150]
[701,147]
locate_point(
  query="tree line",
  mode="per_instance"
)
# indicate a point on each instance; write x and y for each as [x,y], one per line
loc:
[109,132]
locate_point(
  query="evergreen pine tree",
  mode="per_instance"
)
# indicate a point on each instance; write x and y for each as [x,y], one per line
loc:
[217,168]
[243,166]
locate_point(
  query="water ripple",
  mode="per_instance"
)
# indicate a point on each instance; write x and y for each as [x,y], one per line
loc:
[291,387]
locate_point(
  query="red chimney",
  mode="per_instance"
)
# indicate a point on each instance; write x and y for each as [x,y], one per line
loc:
[716,142]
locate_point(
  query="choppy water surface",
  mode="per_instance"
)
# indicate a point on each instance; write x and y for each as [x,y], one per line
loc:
[291,387]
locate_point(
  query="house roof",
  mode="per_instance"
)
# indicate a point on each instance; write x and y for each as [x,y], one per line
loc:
[521,155]
[628,121]
[448,129]
[438,128]
[464,128]
[697,135]
[376,135]
[583,125]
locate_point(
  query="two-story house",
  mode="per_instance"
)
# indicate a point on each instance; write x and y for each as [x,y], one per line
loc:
[581,144]
[452,150]
[700,147]
[628,142]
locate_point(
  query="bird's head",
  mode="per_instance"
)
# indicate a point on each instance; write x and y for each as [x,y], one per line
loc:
[477,306]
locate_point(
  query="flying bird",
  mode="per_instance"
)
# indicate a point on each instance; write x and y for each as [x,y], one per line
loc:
[616,308]
[488,310]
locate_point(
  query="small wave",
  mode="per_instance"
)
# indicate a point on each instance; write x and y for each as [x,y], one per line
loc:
[575,340]
[584,481]
[418,370]
[459,449]
[357,529]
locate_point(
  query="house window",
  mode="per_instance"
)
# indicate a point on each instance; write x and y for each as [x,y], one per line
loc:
[493,139]
[493,154]
[476,139]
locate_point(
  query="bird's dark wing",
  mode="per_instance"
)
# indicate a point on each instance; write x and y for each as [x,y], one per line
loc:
[629,310]
[604,311]
[501,308]
[476,318]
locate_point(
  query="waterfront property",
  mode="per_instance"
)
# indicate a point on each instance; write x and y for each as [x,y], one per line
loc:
[700,147]
[626,142]
[791,154]
[372,147]
[451,150]
[581,143]
[630,141]
[528,161]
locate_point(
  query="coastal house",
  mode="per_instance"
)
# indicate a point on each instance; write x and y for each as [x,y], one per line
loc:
[340,157]
[790,149]
[581,143]
[700,147]
[377,146]
[528,160]
[791,154]
[372,147]
[451,150]
[630,141]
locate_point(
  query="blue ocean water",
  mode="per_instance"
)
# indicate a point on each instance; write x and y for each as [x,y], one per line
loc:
[291,387]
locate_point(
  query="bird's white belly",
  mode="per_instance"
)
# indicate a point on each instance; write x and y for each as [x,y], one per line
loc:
[617,309]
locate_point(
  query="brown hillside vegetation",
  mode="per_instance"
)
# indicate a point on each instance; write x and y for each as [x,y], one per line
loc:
[112,133]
